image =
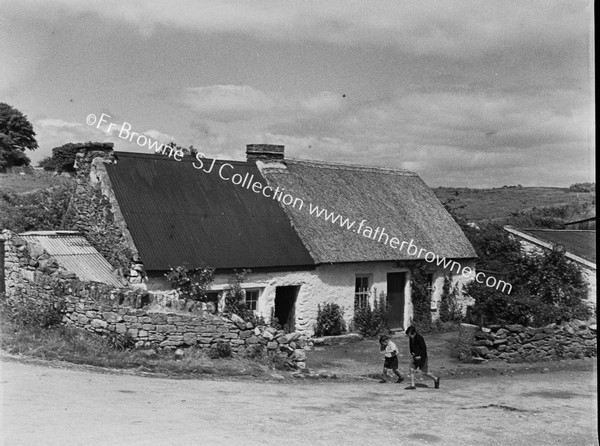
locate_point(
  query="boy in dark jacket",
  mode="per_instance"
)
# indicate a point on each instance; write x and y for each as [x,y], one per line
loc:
[418,350]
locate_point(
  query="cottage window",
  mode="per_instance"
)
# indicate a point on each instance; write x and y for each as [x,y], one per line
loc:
[430,286]
[361,290]
[252,300]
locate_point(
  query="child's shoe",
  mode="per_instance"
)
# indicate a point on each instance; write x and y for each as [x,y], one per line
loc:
[382,381]
[400,379]
[437,383]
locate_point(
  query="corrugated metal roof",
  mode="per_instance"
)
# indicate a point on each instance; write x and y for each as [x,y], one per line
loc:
[180,215]
[75,254]
[579,242]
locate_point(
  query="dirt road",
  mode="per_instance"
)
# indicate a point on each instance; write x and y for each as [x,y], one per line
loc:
[52,406]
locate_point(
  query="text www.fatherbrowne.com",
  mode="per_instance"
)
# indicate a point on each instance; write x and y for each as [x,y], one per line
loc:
[379,235]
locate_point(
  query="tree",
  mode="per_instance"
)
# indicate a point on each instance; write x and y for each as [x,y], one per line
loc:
[16,135]
[63,157]
[47,163]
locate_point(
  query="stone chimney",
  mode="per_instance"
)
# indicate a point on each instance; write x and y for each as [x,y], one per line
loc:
[264,152]
[87,152]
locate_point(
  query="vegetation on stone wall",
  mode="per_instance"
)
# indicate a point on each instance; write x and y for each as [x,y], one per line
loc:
[547,288]
[371,320]
[24,310]
[421,298]
[330,320]
[450,309]
[191,283]
[41,210]
[235,298]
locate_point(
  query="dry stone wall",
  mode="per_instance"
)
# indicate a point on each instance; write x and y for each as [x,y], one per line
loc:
[516,343]
[147,319]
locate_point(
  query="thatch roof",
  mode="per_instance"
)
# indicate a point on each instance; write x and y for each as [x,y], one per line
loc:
[396,200]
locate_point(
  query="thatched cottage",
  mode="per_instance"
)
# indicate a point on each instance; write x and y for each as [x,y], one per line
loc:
[311,232]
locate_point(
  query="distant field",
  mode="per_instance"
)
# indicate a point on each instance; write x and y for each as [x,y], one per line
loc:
[498,203]
[29,183]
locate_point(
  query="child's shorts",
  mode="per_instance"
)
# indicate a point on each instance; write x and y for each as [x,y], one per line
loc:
[420,364]
[391,363]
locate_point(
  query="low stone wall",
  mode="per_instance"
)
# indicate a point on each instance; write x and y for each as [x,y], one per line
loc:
[149,320]
[171,330]
[516,343]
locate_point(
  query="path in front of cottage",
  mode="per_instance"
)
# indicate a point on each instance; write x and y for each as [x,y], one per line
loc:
[54,406]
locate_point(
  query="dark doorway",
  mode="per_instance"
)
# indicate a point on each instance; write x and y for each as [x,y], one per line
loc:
[285,306]
[395,293]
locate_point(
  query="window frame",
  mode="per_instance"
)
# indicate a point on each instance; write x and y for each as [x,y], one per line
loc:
[254,301]
[361,295]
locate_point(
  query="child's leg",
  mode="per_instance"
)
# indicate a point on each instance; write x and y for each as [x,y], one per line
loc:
[429,374]
[383,376]
[412,377]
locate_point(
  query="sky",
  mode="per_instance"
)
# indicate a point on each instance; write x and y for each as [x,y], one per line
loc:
[478,93]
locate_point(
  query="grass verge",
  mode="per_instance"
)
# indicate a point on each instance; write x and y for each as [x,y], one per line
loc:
[78,346]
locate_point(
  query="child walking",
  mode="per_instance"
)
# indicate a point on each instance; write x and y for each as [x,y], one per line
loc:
[418,350]
[391,358]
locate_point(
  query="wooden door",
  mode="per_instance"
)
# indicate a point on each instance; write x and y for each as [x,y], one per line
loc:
[395,294]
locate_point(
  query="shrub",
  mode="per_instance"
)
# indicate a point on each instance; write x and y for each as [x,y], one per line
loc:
[42,210]
[450,309]
[191,284]
[23,310]
[235,299]
[369,321]
[120,341]
[548,287]
[220,350]
[330,320]
[421,299]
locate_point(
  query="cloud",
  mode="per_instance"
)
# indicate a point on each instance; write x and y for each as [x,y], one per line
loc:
[467,28]
[464,139]
[228,102]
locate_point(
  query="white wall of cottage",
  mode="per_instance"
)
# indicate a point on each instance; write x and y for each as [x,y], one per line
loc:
[333,284]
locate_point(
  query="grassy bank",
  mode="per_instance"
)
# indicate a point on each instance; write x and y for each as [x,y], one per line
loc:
[78,346]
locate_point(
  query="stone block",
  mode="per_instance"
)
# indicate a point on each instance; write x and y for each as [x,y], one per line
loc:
[133,332]
[480,351]
[515,328]
[484,342]
[121,328]
[99,323]
[272,345]
[142,333]
[246,334]
[252,340]
[267,335]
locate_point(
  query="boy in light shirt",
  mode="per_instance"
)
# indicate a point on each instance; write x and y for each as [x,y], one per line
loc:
[390,352]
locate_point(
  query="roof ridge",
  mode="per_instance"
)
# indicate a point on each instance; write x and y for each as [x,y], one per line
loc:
[343,166]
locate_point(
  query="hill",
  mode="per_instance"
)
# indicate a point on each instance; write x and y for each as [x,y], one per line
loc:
[520,206]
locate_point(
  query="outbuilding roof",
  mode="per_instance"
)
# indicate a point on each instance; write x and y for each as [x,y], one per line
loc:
[577,243]
[73,252]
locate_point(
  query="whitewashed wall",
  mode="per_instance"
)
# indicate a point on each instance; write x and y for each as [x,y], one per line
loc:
[327,284]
